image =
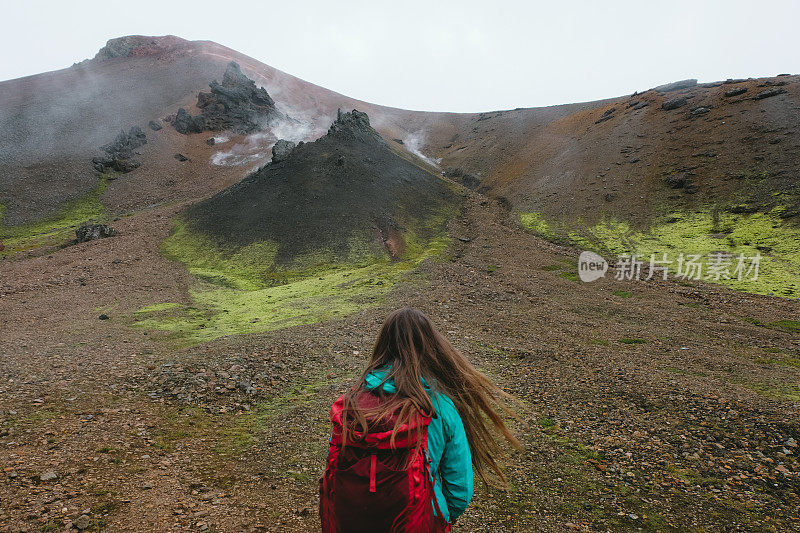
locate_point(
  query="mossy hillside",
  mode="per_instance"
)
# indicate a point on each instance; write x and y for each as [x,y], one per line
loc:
[245,291]
[58,228]
[700,233]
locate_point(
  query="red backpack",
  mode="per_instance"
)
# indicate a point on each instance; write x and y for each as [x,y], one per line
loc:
[371,486]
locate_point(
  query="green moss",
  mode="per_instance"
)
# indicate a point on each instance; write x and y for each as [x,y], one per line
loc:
[790,325]
[551,268]
[546,422]
[701,233]
[536,223]
[572,276]
[56,229]
[159,307]
[621,294]
[244,291]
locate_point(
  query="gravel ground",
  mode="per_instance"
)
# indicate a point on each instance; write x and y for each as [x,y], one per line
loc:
[673,409]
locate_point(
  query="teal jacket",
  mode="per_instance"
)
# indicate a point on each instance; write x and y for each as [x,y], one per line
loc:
[447,447]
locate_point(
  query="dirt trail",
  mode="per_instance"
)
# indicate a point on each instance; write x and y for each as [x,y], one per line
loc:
[658,406]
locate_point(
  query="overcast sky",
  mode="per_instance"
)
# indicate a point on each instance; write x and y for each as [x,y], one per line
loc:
[435,55]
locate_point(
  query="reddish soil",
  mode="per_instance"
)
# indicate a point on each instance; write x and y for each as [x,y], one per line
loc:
[683,431]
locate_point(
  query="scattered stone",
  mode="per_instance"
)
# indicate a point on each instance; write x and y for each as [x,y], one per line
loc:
[93,232]
[153,125]
[101,317]
[736,92]
[675,86]
[398,141]
[83,522]
[700,110]
[470,181]
[281,149]
[609,113]
[211,142]
[769,93]
[673,103]
[640,105]
[48,476]
[736,80]
[678,180]
[180,157]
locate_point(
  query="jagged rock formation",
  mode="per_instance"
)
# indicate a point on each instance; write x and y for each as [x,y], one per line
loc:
[281,150]
[186,123]
[346,187]
[120,153]
[236,104]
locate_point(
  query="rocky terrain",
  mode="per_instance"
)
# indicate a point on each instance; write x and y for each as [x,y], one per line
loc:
[178,309]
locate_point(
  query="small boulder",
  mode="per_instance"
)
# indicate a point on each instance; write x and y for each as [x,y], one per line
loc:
[48,476]
[211,142]
[769,93]
[281,150]
[673,103]
[153,125]
[736,92]
[700,110]
[83,522]
[92,232]
[181,157]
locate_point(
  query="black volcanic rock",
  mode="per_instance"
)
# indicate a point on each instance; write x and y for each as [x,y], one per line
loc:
[153,125]
[674,103]
[236,104]
[348,186]
[281,150]
[186,123]
[120,153]
[769,93]
[93,232]
[736,92]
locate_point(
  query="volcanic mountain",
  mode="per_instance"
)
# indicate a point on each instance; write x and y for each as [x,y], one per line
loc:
[613,158]
[347,193]
[705,155]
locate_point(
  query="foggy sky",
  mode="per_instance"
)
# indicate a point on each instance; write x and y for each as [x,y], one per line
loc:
[435,55]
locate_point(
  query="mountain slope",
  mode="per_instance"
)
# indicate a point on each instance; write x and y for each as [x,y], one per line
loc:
[347,194]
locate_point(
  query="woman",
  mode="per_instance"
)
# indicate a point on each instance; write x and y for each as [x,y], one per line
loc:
[406,438]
